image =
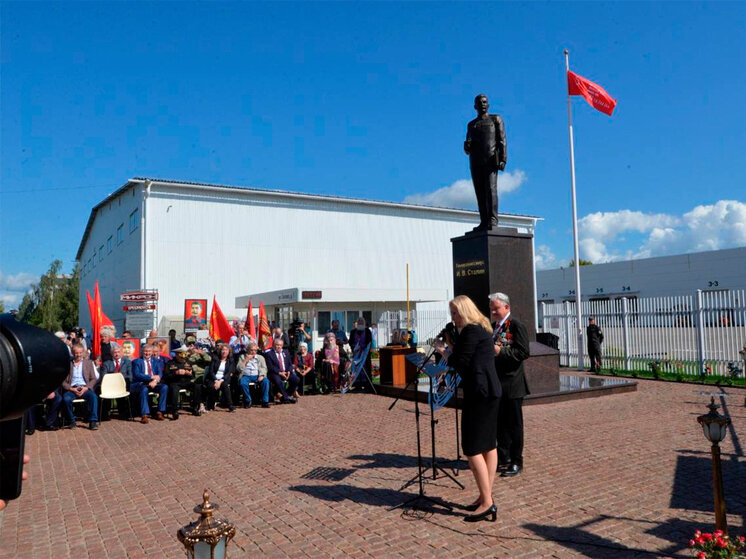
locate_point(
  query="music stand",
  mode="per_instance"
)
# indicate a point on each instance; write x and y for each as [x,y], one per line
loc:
[421,468]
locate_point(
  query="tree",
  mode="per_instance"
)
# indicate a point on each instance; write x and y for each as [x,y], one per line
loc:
[2,307]
[52,303]
[582,263]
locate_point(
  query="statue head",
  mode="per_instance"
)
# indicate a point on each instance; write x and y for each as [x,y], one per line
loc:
[481,104]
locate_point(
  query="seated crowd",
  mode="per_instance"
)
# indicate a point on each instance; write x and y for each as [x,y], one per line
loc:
[204,373]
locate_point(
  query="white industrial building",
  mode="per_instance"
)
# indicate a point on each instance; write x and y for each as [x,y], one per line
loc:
[681,274]
[314,256]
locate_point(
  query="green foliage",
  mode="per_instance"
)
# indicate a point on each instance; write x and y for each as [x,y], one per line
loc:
[2,307]
[582,263]
[53,301]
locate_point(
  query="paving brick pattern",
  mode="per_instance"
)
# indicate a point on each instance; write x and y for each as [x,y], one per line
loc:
[626,475]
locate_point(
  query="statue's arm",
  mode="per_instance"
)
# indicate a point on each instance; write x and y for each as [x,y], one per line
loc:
[502,143]
[467,142]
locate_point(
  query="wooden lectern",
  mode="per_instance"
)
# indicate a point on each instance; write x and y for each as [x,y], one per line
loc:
[395,369]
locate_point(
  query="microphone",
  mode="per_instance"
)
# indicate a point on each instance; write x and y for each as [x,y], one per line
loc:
[448,332]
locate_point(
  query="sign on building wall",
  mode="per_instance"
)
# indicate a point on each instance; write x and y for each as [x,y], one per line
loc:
[139,322]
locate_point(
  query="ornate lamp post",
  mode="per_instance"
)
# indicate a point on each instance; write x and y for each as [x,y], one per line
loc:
[715,427]
[208,537]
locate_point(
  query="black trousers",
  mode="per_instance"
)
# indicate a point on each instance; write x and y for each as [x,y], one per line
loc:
[173,392]
[223,394]
[594,353]
[510,431]
[484,178]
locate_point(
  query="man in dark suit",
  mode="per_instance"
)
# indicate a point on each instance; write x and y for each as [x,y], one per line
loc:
[595,339]
[147,374]
[511,349]
[280,369]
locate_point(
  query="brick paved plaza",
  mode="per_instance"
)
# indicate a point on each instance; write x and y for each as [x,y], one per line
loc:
[626,475]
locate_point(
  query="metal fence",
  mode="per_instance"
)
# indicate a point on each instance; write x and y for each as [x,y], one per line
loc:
[690,334]
[426,324]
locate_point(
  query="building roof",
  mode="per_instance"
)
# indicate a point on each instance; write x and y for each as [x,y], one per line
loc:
[273,192]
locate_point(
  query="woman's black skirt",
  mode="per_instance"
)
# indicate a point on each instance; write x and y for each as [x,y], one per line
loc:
[479,425]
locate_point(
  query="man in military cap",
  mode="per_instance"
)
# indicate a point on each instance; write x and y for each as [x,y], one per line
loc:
[199,357]
[487,149]
[178,375]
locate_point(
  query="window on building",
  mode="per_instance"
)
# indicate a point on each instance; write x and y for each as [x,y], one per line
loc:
[120,234]
[109,244]
[134,220]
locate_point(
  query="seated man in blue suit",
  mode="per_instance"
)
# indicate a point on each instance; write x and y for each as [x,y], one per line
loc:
[147,373]
[280,369]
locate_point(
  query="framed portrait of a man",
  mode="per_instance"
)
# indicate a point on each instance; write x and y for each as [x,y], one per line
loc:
[130,347]
[195,315]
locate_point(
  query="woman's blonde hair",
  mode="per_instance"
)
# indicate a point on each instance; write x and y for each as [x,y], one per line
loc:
[470,313]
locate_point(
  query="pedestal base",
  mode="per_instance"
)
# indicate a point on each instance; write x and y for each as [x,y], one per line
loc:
[501,260]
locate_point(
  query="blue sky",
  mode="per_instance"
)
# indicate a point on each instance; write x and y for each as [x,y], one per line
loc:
[371,100]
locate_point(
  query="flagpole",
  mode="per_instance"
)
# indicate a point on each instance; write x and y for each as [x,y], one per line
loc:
[574,223]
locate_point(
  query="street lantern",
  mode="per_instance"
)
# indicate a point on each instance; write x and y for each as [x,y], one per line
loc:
[715,427]
[208,537]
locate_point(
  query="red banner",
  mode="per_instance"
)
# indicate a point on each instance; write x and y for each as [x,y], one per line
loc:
[593,93]
[220,328]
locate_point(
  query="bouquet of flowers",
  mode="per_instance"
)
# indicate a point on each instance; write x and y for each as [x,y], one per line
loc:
[716,545]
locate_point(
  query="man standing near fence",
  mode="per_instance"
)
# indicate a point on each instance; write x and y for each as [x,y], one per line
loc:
[595,339]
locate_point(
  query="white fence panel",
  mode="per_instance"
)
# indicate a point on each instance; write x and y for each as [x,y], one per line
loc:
[702,333]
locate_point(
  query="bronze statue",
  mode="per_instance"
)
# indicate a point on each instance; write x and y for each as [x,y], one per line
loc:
[488,152]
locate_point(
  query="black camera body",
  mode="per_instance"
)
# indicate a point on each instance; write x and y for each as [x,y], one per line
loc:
[33,363]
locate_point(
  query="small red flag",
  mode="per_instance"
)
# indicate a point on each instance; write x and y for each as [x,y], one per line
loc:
[250,322]
[593,93]
[220,328]
[265,336]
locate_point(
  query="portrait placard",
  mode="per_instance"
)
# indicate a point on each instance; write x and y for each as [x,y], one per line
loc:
[195,315]
[130,347]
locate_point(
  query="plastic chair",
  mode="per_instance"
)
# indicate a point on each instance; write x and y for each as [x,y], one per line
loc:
[114,387]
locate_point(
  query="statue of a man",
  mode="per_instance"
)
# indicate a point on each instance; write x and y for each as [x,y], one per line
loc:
[488,152]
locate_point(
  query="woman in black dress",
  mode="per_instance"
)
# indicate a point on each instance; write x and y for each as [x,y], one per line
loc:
[473,358]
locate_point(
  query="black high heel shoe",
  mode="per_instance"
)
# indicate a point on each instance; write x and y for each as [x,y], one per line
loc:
[471,508]
[490,512]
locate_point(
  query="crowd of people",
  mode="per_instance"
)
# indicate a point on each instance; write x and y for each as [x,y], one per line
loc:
[197,374]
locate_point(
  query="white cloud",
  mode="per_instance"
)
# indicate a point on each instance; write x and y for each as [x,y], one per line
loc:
[708,227]
[544,258]
[14,286]
[460,194]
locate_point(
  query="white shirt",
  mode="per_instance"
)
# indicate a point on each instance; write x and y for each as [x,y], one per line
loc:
[221,371]
[78,378]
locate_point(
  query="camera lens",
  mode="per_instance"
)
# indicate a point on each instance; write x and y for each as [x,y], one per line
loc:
[33,363]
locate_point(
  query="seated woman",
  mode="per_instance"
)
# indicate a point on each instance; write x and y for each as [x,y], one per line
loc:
[218,379]
[304,368]
[327,363]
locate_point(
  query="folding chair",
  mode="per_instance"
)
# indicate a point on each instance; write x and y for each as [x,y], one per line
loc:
[113,387]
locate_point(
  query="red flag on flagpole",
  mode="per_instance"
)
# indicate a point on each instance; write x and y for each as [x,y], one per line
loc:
[250,326]
[220,328]
[264,338]
[593,93]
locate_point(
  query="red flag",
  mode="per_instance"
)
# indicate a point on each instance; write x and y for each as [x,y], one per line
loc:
[593,93]
[250,321]
[95,323]
[103,320]
[220,328]
[91,306]
[265,336]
